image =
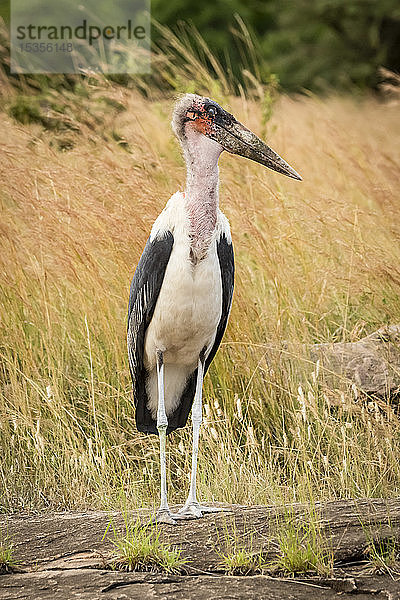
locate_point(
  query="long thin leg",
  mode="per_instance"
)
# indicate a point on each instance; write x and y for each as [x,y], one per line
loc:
[191,504]
[163,514]
[192,509]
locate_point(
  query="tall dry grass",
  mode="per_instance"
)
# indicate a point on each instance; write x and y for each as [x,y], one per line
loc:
[316,261]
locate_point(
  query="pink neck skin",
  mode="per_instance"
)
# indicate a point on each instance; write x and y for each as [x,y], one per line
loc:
[201,194]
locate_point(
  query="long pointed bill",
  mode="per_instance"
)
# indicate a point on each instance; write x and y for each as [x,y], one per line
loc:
[237,139]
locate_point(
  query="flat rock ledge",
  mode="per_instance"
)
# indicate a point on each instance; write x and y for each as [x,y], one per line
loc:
[372,363]
[64,555]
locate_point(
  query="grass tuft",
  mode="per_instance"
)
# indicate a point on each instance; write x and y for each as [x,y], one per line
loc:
[140,549]
[302,548]
[382,550]
[384,554]
[7,558]
[242,561]
[238,556]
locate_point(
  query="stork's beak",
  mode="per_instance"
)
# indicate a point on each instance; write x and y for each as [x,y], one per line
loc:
[237,139]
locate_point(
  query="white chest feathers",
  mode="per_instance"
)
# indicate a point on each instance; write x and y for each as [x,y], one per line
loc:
[188,308]
[189,305]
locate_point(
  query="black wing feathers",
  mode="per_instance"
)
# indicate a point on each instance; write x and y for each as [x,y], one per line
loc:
[145,288]
[227,266]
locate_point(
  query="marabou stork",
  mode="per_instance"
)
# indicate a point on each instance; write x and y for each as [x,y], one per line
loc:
[181,291]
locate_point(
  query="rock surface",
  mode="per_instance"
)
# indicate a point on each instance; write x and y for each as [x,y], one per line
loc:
[63,555]
[372,363]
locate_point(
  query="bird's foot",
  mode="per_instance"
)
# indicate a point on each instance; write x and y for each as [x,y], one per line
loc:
[194,510]
[191,510]
[163,515]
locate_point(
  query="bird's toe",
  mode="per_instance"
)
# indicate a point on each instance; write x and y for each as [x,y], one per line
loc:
[212,509]
[189,511]
[163,516]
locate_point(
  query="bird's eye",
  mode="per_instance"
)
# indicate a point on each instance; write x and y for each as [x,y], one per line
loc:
[211,110]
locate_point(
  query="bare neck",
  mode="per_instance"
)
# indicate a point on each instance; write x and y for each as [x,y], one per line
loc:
[201,194]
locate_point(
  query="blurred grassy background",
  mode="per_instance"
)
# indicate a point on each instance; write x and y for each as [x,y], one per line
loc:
[319,45]
[316,45]
[85,167]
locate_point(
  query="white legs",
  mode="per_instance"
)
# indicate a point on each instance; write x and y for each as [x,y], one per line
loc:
[164,513]
[191,505]
[196,423]
[192,509]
